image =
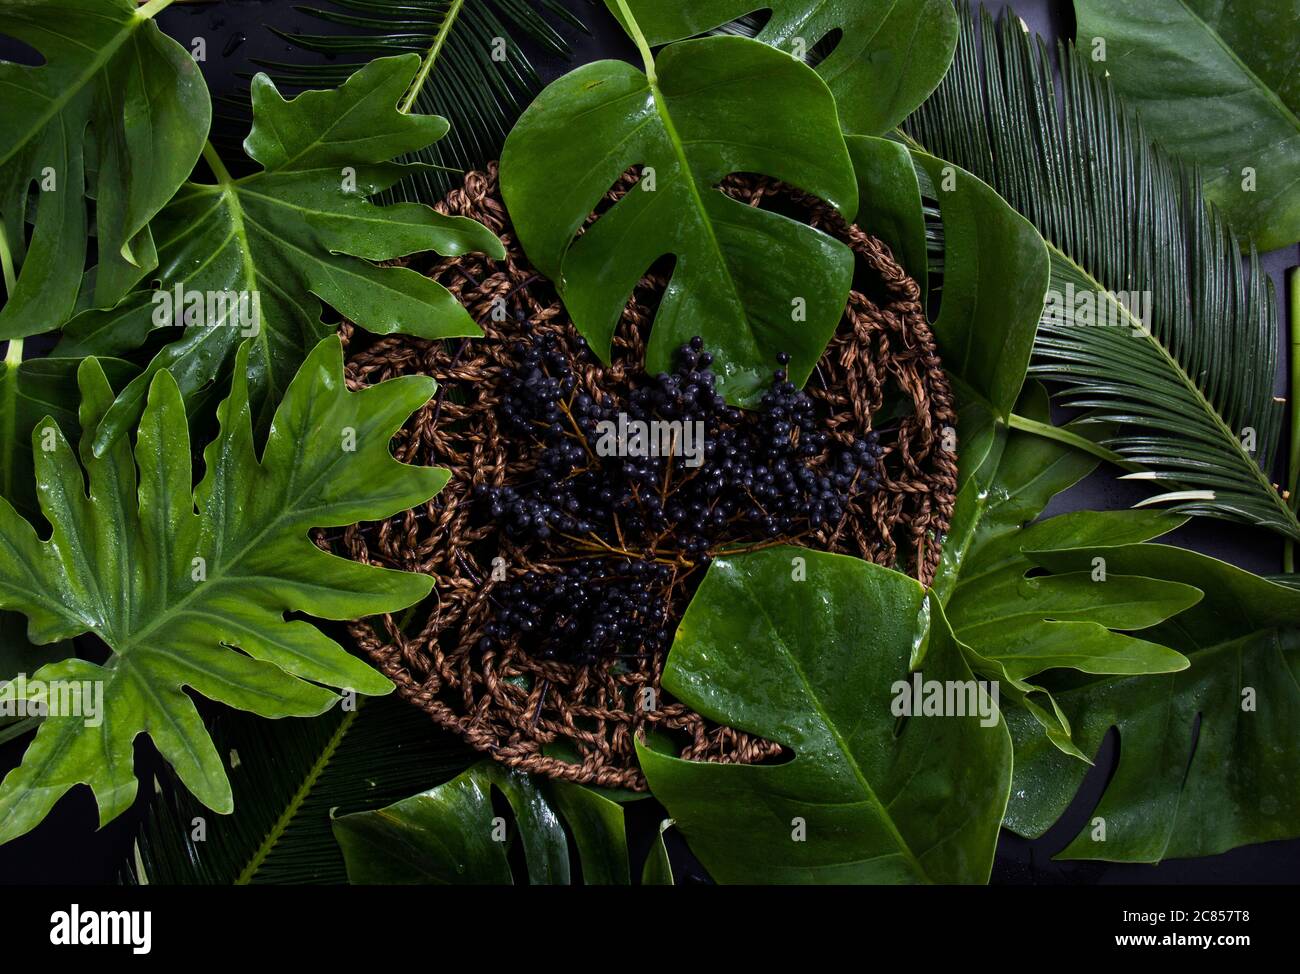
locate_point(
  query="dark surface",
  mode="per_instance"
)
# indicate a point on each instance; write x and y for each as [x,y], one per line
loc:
[67,849]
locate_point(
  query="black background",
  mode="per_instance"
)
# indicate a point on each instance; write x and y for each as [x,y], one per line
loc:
[67,849]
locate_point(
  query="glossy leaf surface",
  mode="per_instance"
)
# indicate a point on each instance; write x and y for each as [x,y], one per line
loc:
[1207,756]
[884,56]
[1215,82]
[751,282]
[812,664]
[452,834]
[189,586]
[113,118]
[298,230]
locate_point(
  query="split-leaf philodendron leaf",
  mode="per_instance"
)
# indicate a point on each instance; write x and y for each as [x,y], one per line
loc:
[1016,623]
[1207,757]
[117,113]
[751,282]
[1240,786]
[1215,83]
[888,57]
[29,392]
[451,834]
[189,586]
[1029,625]
[805,648]
[300,226]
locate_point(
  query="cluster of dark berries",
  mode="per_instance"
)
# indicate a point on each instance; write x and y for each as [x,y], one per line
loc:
[691,472]
[596,608]
[672,473]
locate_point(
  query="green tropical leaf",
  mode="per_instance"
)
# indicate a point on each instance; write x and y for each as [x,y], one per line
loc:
[481,84]
[452,834]
[1207,756]
[289,777]
[19,656]
[189,586]
[991,305]
[300,226]
[1016,623]
[1189,389]
[1011,626]
[885,56]
[29,392]
[812,663]
[1025,622]
[889,196]
[1216,84]
[658,868]
[116,114]
[745,279]
[986,321]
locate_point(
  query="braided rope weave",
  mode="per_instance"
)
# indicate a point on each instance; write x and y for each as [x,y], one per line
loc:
[579,722]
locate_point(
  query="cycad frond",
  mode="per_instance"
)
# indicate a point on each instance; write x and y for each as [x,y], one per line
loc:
[475,73]
[288,776]
[1191,386]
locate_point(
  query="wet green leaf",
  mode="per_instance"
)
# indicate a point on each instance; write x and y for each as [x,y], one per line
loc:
[1215,82]
[189,586]
[812,664]
[113,118]
[299,229]
[751,282]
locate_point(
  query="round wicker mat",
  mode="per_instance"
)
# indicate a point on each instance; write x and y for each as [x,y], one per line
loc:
[579,722]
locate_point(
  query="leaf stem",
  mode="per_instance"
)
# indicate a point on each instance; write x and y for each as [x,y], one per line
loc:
[18,728]
[431,56]
[151,9]
[215,164]
[638,38]
[14,351]
[1293,395]
[8,387]
[1060,435]
[258,858]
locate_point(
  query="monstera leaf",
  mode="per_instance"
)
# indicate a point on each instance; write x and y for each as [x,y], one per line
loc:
[1216,84]
[300,226]
[1207,757]
[888,57]
[751,282]
[116,113]
[452,834]
[804,648]
[189,586]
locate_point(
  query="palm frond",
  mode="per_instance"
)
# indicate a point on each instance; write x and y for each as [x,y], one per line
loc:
[475,73]
[288,776]
[1191,386]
